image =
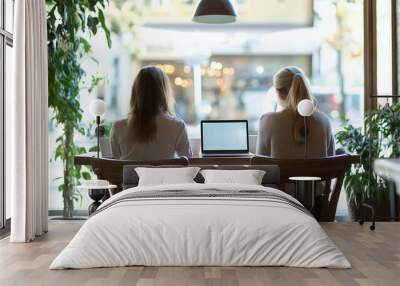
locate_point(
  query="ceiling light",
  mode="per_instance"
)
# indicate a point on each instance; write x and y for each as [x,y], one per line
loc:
[215,12]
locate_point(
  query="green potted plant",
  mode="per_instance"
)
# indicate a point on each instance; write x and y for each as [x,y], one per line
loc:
[379,139]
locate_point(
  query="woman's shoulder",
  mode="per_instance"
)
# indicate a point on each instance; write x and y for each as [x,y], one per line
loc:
[120,124]
[172,120]
[274,116]
[268,121]
[267,116]
[323,121]
[322,117]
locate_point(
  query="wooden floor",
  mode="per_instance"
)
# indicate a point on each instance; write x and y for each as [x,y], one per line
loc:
[375,257]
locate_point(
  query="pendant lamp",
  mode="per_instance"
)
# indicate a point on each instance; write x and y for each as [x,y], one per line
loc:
[215,12]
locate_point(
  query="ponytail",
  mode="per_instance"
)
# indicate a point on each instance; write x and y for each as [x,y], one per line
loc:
[299,90]
[293,82]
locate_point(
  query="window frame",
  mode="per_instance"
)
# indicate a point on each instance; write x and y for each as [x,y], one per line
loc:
[371,59]
[6,40]
[395,54]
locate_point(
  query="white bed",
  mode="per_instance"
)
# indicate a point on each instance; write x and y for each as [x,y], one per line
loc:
[267,229]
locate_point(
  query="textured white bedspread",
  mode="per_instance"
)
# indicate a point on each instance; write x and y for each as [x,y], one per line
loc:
[200,231]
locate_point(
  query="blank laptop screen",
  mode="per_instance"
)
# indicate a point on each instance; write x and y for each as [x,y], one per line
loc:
[224,136]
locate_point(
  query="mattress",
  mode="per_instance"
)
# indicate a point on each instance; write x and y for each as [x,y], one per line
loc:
[201,225]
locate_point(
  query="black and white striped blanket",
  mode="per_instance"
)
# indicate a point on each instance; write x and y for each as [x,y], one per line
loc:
[205,194]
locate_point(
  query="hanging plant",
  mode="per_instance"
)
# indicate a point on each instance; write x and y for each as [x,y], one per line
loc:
[69,24]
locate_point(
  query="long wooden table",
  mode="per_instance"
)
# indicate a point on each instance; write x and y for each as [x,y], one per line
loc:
[328,168]
[91,160]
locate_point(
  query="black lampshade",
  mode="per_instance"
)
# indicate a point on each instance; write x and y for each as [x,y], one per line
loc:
[215,12]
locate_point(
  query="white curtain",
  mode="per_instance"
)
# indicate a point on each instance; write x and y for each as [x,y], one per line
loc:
[27,117]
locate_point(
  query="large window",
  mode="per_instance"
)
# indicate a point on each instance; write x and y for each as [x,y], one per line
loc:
[6,44]
[226,71]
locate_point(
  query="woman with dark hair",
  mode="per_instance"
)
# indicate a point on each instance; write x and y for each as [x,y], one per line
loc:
[151,131]
[281,134]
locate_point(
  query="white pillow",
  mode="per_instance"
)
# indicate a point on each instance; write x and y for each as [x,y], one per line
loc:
[166,176]
[247,177]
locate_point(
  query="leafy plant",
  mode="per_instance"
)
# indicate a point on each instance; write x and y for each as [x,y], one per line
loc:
[69,22]
[379,139]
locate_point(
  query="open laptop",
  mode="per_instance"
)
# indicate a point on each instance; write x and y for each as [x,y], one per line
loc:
[224,138]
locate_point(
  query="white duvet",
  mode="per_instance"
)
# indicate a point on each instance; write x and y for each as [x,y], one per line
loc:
[200,232]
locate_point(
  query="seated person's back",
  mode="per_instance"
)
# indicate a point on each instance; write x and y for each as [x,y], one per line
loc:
[170,141]
[281,134]
[276,136]
[150,132]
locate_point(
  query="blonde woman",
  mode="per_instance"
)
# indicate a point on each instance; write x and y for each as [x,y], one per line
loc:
[281,134]
[151,131]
